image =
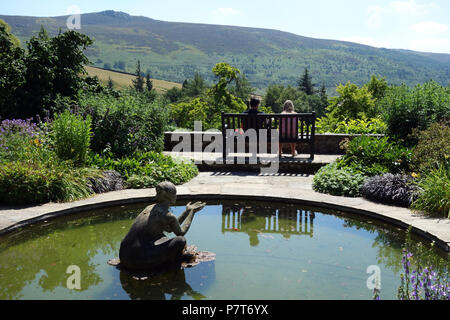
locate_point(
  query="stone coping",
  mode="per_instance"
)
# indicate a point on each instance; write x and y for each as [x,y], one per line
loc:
[291,188]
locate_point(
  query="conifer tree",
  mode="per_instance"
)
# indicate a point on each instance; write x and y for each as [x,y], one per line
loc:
[138,83]
[305,83]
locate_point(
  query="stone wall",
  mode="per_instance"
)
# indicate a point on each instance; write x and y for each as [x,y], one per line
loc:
[325,143]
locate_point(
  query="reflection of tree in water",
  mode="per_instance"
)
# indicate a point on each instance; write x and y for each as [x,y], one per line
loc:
[389,242]
[258,218]
[51,248]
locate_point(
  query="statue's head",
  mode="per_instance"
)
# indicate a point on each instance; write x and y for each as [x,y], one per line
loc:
[166,192]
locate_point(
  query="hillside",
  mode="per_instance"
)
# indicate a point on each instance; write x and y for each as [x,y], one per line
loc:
[124,80]
[175,51]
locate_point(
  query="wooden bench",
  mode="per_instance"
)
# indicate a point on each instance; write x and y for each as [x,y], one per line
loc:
[292,128]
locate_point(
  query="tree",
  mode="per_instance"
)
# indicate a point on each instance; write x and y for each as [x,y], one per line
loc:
[110,83]
[195,86]
[352,103]
[305,83]
[148,82]
[12,71]
[377,87]
[242,87]
[36,79]
[138,82]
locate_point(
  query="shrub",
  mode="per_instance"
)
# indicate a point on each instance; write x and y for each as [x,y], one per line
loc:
[71,136]
[146,170]
[338,181]
[394,189]
[433,147]
[372,156]
[17,138]
[351,126]
[434,196]
[29,182]
[126,124]
[405,108]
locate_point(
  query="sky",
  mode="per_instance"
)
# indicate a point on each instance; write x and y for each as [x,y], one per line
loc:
[420,25]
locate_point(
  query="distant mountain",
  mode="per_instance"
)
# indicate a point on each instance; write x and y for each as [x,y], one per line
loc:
[175,51]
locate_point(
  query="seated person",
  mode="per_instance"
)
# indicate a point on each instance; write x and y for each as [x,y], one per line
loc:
[288,127]
[250,123]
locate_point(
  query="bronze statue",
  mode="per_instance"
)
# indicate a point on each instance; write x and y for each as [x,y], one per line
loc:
[145,247]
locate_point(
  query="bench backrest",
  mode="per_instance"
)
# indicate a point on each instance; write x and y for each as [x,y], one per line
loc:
[296,127]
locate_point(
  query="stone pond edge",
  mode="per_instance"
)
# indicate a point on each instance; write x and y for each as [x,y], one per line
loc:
[138,196]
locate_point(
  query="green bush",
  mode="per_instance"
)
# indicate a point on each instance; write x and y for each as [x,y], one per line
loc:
[126,124]
[433,147]
[338,181]
[145,170]
[351,126]
[18,139]
[30,182]
[404,108]
[434,197]
[71,136]
[373,156]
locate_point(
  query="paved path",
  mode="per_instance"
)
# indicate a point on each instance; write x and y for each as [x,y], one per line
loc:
[214,185]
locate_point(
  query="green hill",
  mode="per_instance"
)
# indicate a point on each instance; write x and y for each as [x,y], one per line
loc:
[175,51]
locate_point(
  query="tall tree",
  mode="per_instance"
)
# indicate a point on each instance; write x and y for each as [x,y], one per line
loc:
[138,83]
[305,83]
[110,84]
[148,82]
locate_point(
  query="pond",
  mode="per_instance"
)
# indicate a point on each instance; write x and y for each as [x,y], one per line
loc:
[264,250]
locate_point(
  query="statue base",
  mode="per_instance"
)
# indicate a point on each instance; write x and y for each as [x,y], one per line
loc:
[197,258]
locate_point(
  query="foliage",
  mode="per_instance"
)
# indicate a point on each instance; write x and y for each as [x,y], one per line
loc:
[11,72]
[18,139]
[434,195]
[208,106]
[138,82]
[194,87]
[351,126]
[276,95]
[392,189]
[338,181]
[305,83]
[145,170]
[71,136]
[352,102]
[405,108]
[425,274]
[29,182]
[433,147]
[372,156]
[50,67]
[125,124]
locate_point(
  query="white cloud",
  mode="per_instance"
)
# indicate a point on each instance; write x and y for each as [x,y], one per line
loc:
[368,41]
[395,9]
[438,45]
[429,27]
[226,11]
[411,7]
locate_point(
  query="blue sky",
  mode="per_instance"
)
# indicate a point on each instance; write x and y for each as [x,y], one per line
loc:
[422,25]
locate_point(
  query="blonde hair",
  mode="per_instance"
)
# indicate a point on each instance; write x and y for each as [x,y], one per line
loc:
[288,106]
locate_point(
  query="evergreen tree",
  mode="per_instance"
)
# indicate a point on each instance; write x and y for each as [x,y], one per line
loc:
[148,82]
[138,83]
[110,84]
[305,83]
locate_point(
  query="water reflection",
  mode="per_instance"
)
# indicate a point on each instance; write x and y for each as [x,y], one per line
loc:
[171,285]
[256,219]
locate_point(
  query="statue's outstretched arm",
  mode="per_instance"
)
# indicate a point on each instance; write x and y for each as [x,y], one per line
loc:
[181,225]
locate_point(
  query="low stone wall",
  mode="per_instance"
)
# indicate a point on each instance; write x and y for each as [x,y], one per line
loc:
[327,143]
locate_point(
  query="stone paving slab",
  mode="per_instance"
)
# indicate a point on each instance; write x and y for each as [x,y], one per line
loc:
[221,185]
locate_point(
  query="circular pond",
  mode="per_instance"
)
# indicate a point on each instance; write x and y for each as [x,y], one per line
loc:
[263,251]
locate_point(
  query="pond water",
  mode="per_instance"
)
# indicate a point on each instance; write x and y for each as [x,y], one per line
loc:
[263,251]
